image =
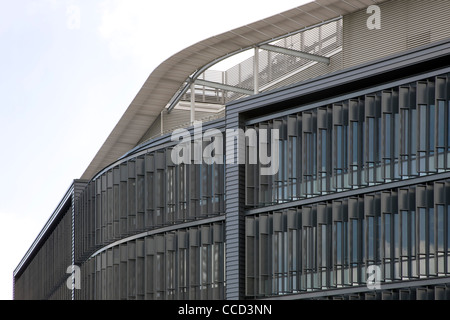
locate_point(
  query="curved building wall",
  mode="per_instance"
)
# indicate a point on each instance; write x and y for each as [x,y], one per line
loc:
[184,263]
[142,197]
[45,277]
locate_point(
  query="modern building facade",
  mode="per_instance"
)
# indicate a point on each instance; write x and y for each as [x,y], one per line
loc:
[359,99]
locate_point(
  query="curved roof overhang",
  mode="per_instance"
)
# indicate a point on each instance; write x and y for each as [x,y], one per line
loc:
[167,79]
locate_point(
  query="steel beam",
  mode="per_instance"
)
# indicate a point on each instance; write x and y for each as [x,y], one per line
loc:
[177,97]
[296,53]
[256,71]
[222,86]
[192,102]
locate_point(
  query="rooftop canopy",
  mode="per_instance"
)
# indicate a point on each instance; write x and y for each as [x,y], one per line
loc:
[172,78]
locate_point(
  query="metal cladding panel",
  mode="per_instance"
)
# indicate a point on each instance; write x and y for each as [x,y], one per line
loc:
[404,25]
[234,228]
[44,276]
[233,237]
[178,118]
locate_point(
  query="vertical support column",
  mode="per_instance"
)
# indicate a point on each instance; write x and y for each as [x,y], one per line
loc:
[72,295]
[320,41]
[256,71]
[162,121]
[192,102]
[234,227]
[78,187]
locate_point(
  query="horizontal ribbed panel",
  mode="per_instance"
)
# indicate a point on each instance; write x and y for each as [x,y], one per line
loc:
[405,24]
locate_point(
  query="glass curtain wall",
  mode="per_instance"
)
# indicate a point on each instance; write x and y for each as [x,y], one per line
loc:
[404,231]
[144,193]
[388,135]
[188,263]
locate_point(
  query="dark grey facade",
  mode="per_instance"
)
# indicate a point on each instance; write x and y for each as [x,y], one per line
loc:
[363,181]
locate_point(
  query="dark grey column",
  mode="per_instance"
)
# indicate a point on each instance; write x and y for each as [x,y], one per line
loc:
[234,226]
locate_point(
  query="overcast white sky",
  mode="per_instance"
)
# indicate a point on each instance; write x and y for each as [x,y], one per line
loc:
[68,71]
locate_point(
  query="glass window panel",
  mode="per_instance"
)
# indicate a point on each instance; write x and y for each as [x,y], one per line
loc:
[362,141]
[422,161]
[339,146]
[159,270]
[314,152]
[422,228]
[431,229]
[346,243]
[309,263]
[405,232]
[314,247]
[280,252]
[323,134]
[338,230]
[160,184]
[440,226]
[378,237]
[413,133]
[431,123]
[440,158]
[293,156]
[355,241]
[441,126]
[388,136]
[423,125]
[311,151]
[182,182]
[355,143]
[371,240]
[345,146]
[371,138]
[405,131]
[396,235]
[285,251]
[396,134]
[378,130]
[362,239]
[294,253]
[324,245]
[387,235]
[355,175]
